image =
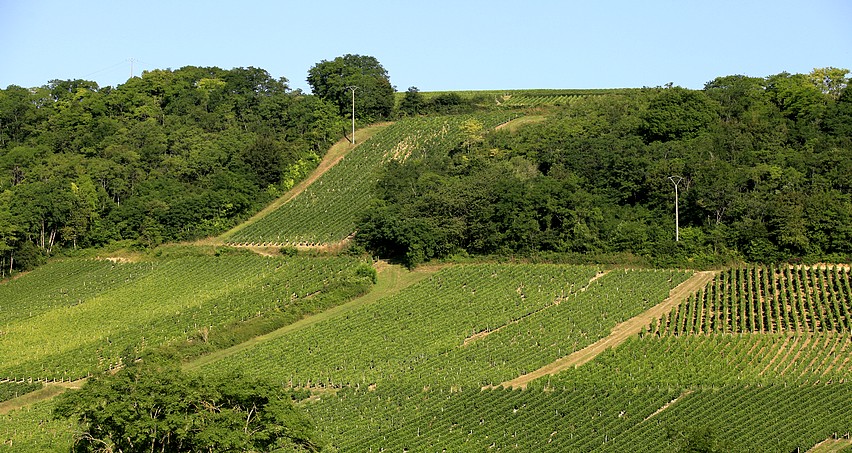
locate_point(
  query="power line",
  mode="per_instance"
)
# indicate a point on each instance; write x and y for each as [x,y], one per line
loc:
[133,62]
[120,63]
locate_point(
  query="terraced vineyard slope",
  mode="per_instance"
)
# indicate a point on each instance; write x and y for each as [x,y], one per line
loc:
[94,313]
[327,210]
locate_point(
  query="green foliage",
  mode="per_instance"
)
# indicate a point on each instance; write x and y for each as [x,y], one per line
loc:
[676,113]
[171,155]
[156,407]
[374,97]
[412,103]
[10,390]
[764,180]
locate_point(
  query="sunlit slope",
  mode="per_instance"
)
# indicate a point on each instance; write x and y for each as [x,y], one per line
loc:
[757,361]
[327,211]
[92,313]
[470,325]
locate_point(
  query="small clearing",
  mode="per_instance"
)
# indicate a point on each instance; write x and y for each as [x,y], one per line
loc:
[516,123]
[620,333]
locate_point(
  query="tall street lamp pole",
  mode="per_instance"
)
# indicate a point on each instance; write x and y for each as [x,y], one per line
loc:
[353,88]
[676,180]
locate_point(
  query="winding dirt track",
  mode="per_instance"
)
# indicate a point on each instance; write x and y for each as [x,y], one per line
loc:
[620,333]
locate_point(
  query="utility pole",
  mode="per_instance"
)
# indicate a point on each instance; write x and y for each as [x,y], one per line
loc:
[353,88]
[676,180]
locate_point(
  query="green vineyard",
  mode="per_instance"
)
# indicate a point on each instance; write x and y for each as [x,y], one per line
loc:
[94,313]
[430,359]
[328,210]
[420,369]
[465,326]
[766,300]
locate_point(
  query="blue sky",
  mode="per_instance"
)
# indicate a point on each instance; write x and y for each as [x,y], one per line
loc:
[434,45]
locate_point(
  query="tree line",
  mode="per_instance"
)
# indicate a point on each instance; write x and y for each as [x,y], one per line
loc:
[182,154]
[172,155]
[766,166]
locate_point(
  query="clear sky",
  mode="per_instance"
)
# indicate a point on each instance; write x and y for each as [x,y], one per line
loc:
[434,45]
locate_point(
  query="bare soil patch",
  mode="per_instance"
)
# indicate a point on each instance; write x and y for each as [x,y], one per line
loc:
[832,445]
[45,393]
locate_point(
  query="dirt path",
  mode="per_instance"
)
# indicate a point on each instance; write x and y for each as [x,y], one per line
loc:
[334,155]
[620,333]
[480,335]
[831,445]
[45,393]
[668,405]
[391,279]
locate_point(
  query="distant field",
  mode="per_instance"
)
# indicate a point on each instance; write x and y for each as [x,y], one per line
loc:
[521,98]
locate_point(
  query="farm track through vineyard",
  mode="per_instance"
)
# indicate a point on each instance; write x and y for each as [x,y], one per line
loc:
[332,157]
[620,333]
[391,280]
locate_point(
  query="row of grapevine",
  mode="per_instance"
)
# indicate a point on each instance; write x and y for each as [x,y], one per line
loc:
[328,210]
[525,316]
[10,390]
[771,300]
[585,418]
[577,419]
[536,100]
[63,284]
[775,418]
[718,360]
[178,299]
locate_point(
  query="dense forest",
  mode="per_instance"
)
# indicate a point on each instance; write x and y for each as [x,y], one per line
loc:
[763,166]
[168,156]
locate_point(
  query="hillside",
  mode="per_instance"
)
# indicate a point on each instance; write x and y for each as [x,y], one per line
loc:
[502,278]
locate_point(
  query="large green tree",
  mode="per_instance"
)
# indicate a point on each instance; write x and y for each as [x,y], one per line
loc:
[145,408]
[374,97]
